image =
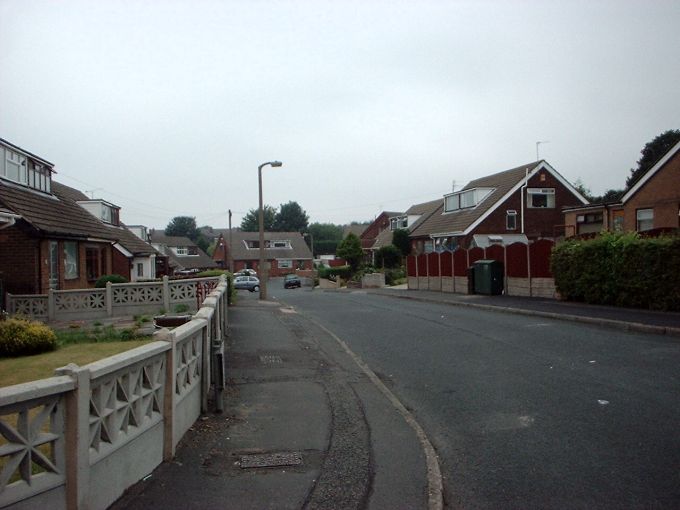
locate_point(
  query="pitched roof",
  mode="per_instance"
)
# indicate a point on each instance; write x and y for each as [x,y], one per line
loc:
[59,215]
[503,183]
[53,214]
[650,173]
[298,250]
[200,261]
[355,229]
[423,210]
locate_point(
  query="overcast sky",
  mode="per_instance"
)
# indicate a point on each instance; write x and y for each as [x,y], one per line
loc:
[167,108]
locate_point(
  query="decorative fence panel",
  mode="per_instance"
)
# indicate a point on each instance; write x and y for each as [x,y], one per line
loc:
[115,300]
[80,439]
[526,269]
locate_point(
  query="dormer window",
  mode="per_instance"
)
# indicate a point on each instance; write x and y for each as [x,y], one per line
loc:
[102,210]
[465,199]
[285,244]
[398,222]
[22,169]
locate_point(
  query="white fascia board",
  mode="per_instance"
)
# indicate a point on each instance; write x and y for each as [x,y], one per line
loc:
[122,249]
[446,234]
[650,173]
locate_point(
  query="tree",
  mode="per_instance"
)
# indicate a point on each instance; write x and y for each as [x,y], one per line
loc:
[401,241]
[652,152]
[350,250]
[327,237]
[183,226]
[389,256]
[251,221]
[291,218]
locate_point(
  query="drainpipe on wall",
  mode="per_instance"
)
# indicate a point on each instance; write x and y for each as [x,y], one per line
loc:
[524,187]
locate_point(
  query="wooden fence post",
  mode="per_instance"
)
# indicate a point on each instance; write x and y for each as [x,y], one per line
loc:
[166,294]
[109,299]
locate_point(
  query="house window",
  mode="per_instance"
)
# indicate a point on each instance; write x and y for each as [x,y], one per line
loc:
[70,260]
[182,250]
[465,199]
[285,264]
[541,198]
[279,244]
[645,219]
[252,245]
[15,167]
[511,220]
[428,246]
[397,223]
[140,270]
[93,263]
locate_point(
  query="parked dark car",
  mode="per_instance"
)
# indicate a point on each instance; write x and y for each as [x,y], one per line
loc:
[291,281]
[250,283]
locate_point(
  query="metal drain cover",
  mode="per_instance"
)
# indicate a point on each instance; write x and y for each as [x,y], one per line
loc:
[263,460]
[271,360]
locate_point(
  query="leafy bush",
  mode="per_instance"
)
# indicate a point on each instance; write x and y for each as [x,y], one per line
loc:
[389,256]
[181,308]
[113,278]
[21,337]
[621,270]
[331,273]
[394,276]
[211,273]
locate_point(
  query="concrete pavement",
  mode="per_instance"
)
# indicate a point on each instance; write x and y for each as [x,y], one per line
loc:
[304,427]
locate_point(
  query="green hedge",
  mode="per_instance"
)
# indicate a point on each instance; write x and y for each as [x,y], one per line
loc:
[620,270]
[20,337]
[113,278]
[343,272]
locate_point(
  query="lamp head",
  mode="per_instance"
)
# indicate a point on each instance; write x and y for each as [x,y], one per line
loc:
[276,163]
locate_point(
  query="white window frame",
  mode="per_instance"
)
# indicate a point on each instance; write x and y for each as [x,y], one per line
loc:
[182,251]
[549,193]
[285,263]
[285,244]
[140,270]
[511,214]
[18,163]
[644,217]
[466,199]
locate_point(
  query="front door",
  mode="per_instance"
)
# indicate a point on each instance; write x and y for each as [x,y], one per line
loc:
[54,264]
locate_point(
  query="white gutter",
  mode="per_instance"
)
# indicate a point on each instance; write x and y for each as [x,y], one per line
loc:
[521,194]
[10,219]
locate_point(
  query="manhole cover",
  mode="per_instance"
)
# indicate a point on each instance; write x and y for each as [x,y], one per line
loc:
[267,359]
[262,460]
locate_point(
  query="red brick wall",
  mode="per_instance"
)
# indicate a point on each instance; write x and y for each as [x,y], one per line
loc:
[121,264]
[538,222]
[19,255]
[662,193]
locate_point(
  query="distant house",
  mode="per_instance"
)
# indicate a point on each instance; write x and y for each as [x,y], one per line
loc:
[408,220]
[284,251]
[515,205]
[652,203]
[48,240]
[184,256]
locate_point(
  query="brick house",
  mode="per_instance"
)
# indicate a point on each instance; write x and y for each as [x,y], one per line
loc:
[409,220]
[49,241]
[652,203]
[184,255]
[516,205]
[284,251]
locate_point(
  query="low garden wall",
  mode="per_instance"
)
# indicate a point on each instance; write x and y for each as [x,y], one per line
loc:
[115,300]
[79,439]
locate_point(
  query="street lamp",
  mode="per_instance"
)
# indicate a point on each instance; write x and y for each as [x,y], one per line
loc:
[261,265]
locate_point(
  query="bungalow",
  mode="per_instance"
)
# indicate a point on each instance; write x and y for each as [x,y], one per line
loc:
[520,204]
[652,203]
[414,216]
[184,256]
[48,240]
[284,251]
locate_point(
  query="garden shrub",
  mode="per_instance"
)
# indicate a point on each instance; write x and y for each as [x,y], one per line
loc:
[332,273]
[393,276]
[113,278]
[621,270]
[21,337]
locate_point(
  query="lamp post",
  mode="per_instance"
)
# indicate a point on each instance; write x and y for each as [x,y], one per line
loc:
[311,239]
[261,265]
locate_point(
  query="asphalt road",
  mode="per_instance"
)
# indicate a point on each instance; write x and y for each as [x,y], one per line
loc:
[523,412]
